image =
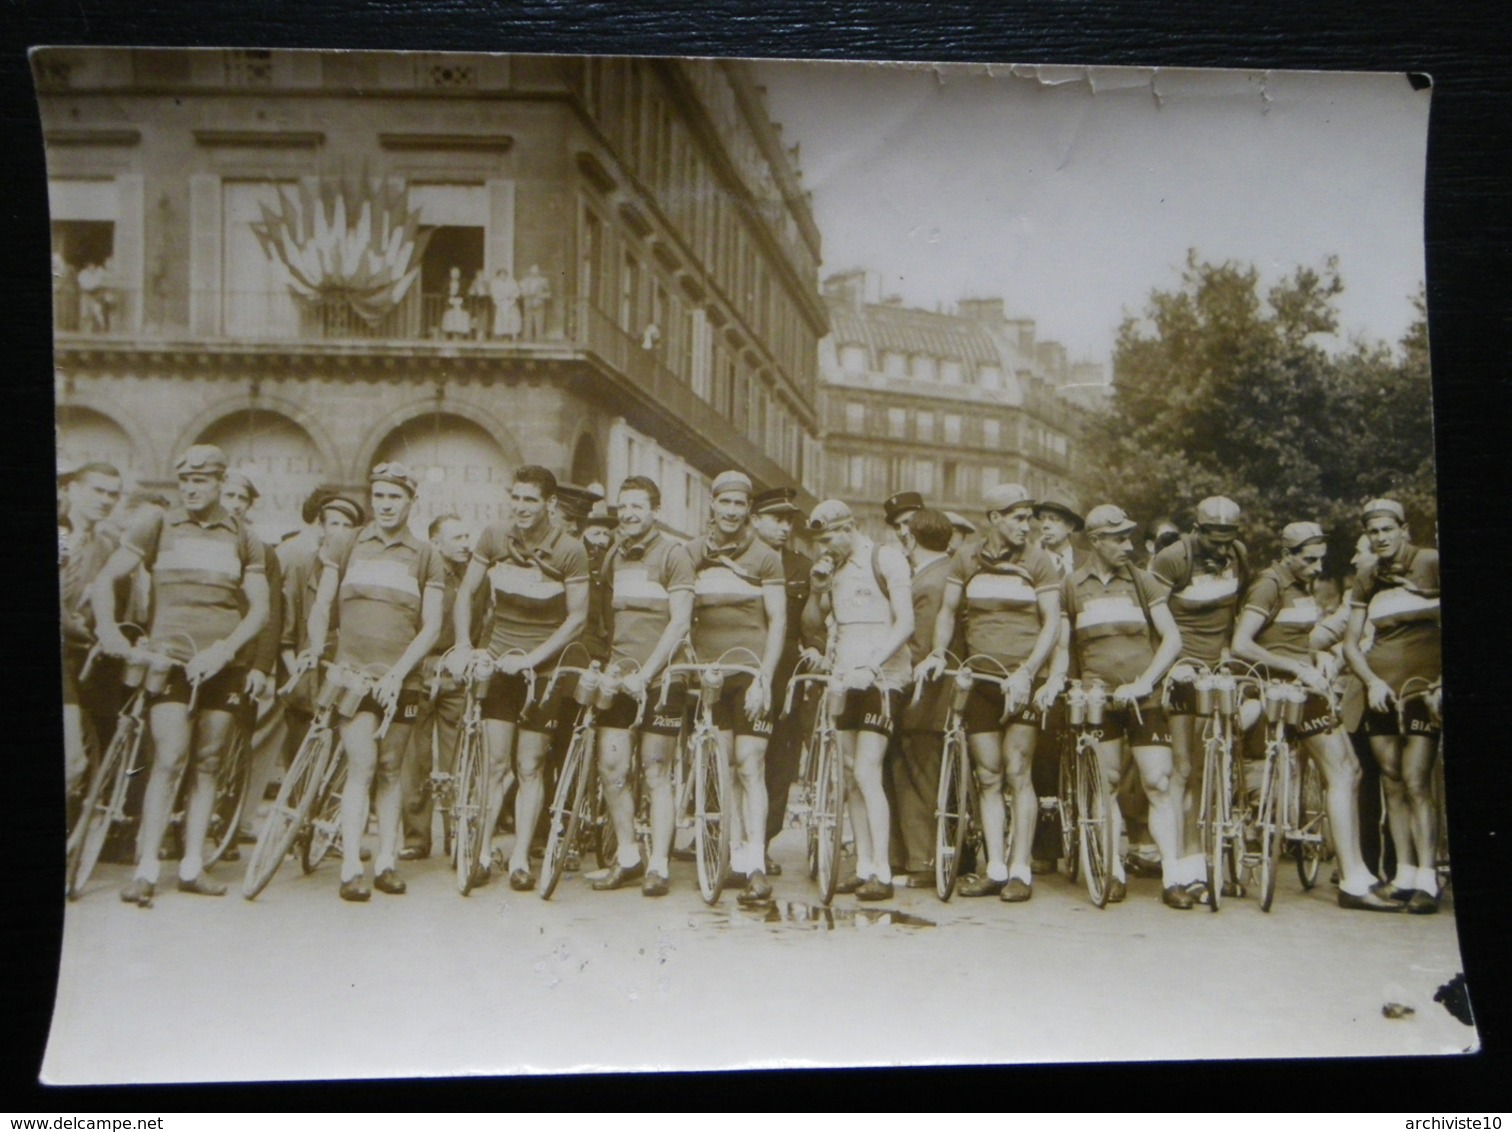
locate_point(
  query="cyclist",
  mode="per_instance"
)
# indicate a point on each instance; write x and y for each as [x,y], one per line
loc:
[208,584]
[773,513]
[649,577]
[1276,629]
[90,494]
[387,588]
[917,773]
[1007,592]
[1121,632]
[538,572]
[1399,596]
[1059,517]
[1204,574]
[435,729]
[866,590]
[740,603]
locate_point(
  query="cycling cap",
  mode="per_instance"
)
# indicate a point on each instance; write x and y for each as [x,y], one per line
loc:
[243,481]
[1294,536]
[1217,511]
[829,515]
[201,458]
[1382,507]
[731,481]
[1109,519]
[392,471]
[961,523]
[1006,496]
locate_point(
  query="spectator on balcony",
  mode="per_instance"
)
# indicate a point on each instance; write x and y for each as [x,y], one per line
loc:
[535,291]
[454,322]
[65,294]
[651,337]
[97,296]
[505,293]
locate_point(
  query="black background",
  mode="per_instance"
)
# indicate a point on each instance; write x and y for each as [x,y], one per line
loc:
[1465,47]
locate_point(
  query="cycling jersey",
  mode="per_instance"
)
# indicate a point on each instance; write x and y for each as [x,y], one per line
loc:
[529,584]
[729,580]
[1000,596]
[1111,629]
[641,576]
[862,609]
[383,580]
[1289,611]
[1204,595]
[197,568]
[1401,600]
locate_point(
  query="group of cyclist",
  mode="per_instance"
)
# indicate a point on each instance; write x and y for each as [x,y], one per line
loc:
[1026,604]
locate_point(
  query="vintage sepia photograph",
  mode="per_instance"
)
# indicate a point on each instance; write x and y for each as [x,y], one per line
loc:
[596,564]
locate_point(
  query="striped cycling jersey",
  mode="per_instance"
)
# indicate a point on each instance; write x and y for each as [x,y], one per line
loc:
[1204,596]
[1401,601]
[1000,596]
[1288,610]
[383,579]
[197,568]
[529,584]
[729,610]
[641,577]
[1110,630]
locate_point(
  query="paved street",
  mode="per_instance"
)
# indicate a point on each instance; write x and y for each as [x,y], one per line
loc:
[300,985]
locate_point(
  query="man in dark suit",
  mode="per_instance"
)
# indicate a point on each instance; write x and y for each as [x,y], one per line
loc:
[772,515]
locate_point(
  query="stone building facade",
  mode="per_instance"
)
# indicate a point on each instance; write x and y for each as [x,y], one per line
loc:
[944,404]
[647,207]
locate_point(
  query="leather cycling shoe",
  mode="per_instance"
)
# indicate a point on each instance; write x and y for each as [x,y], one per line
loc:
[1016,891]
[481,875]
[773,869]
[1422,903]
[1040,868]
[414,853]
[1117,890]
[1231,890]
[1388,891]
[202,886]
[756,891]
[980,886]
[619,876]
[390,882]
[139,891]
[921,879]
[1177,897]
[654,885]
[875,889]
[521,881]
[1370,902]
[1198,890]
[848,884]
[356,890]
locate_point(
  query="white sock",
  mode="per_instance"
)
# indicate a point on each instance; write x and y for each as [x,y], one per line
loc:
[1427,880]
[148,870]
[997,872]
[884,874]
[658,866]
[1170,873]
[864,869]
[350,870]
[1021,872]
[1406,877]
[190,866]
[628,851]
[1355,887]
[1118,870]
[1193,869]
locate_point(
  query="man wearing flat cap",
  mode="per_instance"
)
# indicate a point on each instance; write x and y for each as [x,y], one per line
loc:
[210,587]
[1279,628]
[773,513]
[1121,633]
[1398,594]
[1006,591]
[388,589]
[740,612]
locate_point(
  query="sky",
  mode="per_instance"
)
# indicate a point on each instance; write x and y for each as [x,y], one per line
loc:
[1073,193]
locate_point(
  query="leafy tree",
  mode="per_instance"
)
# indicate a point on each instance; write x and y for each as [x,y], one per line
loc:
[1223,390]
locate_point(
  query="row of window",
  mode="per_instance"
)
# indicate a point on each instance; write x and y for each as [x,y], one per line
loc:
[658,146]
[856,358]
[927,426]
[953,483]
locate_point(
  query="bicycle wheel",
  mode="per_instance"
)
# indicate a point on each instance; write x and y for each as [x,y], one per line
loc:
[1312,825]
[325,816]
[711,832]
[951,813]
[605,837]
[1214,818]
[1095,819]
[289,812]
[469,807]
[230,797]
[568,807]
[103,803]
[1271,822]
[828,813]
[812,773]
[1070,829]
